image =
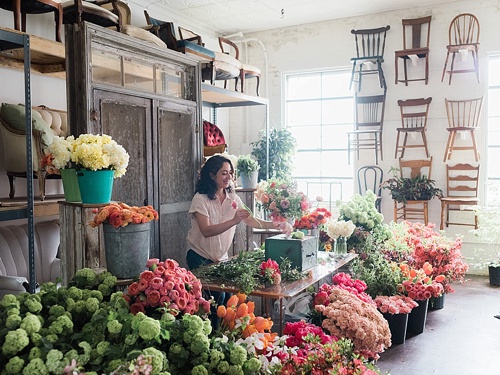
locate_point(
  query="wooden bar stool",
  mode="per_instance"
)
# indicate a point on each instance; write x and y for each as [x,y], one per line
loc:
[463,116]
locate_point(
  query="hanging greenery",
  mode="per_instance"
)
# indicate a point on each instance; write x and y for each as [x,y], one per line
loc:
[282,146]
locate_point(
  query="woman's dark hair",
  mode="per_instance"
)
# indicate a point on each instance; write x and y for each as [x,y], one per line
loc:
[206,184]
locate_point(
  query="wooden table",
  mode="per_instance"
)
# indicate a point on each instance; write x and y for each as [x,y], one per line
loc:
[326,266]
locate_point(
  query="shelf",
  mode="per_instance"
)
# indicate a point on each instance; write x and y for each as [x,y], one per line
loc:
[14,209]
[47,56]
[218,97]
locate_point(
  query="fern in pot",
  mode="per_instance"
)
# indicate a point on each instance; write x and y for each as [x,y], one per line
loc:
[248,169]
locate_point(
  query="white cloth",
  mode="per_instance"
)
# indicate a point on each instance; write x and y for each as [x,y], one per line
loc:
[214,248]
[414,59]
[463,54]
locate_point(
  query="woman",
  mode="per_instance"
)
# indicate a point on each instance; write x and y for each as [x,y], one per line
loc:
[215,211]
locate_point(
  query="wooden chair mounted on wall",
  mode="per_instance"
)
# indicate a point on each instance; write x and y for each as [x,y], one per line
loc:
[368,125]
[462,185]
[414,114]
[370,45]
[105,13]
[370,178]
[413,209]
[416,36]
[463,37]
[23,7]
[463,117]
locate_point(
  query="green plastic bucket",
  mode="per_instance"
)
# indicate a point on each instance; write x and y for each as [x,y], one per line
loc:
[95,186]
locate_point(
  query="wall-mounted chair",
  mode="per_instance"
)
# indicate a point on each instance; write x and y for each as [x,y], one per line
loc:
[414,113]
[368,125]
[413,209]
[23,7]
[462,185]
[105,13]
[370,178]
[46,123]
[463,37]
[416,36]
[463,117]
[213,139]
[370,45]
[246,71]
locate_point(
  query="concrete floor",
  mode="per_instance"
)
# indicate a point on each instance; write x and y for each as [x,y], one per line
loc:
[463,338]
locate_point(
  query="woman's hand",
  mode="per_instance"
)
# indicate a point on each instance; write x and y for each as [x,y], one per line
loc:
[241,214]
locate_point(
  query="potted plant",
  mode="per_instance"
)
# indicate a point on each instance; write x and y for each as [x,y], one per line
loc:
[488,233]
[416,188]
[248,169]
[281,152]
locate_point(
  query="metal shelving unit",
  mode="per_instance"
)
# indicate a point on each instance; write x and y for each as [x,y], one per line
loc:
[10,40]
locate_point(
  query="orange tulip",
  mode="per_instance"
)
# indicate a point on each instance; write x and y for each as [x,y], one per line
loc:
[251,306]
[413,273]
[242,310]
[249,330]
[242,297]
[221,311]
[230,315]
[440,278]
[232,301]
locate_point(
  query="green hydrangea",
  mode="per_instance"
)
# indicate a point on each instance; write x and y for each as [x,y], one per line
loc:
[14,366]
[31,324]
[15,341]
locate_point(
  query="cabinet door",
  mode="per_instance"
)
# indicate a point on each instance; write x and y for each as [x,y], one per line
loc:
[128,120]
[177,156]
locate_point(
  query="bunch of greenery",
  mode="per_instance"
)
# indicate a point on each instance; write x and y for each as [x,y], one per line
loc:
[405,189]
[246,165]
[382,277]
[282,146]
[243,271]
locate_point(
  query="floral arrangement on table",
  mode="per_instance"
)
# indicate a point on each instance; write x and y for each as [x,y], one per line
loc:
[250,270]
[419,285]
[397,304]
[121,215]
[89,151]
[170,287]
[340,228]
[281,200]
[314,219]
[443,253]
[346,315]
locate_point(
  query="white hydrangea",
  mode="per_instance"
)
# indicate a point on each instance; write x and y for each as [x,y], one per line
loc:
[336,229]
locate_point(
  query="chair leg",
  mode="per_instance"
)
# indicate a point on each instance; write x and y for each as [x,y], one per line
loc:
[476,64]
[397,146]
[381,76]
[426,68]
[406,72]
[58,18]
[258,84]
[242,78]
[443,207]
[474,145]
[426,212]
[12,186]
[445,65]
[451,67]
[424,140]
[352,74]
[17,14]
[403,148]
[380,143]
[447,150]
[396,63]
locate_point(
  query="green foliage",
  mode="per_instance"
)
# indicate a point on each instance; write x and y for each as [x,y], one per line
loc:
[282,146]
[405,189]
[246,165]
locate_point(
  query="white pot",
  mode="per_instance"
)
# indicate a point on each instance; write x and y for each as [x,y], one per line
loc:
[249,182]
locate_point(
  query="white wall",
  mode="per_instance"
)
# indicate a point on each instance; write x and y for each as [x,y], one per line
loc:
[322,45]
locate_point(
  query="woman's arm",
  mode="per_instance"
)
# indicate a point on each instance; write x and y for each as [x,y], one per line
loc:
[254,222]
[208,230]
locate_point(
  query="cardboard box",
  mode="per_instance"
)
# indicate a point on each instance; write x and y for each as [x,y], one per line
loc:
[303,253]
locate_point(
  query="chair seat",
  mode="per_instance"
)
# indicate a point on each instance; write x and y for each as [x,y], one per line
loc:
[420,52]
[460,47]
[410,130]
[460,200]
[31,7]
[90,12]
[461,128]
[250,70]
[191,47]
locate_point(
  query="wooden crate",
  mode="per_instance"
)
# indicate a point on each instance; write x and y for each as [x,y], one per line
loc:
[302,253]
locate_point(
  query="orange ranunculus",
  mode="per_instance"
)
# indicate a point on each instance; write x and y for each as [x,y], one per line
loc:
[221,311]
[232,301]
[413,273]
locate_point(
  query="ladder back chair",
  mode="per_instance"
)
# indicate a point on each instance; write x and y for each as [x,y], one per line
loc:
[370,178]
[463,37]
[462,185]
[463,117]
[413,209]
[22,7]
[414,114]
[370,45]
[368,125]
[416,36]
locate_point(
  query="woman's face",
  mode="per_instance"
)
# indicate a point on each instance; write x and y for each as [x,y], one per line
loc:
[224,176]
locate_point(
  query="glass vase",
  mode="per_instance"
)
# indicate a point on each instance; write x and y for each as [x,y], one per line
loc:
[341,246]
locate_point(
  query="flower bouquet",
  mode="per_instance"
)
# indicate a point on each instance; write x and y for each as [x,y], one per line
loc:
[441,252]
[314,219]
[419,285]
[340,231]
[166,288]
[121,215]
[395,304]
